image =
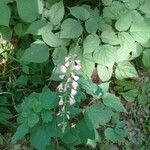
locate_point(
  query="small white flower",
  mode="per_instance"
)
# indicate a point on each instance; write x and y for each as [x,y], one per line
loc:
[71,101]
[60,87]
[73,92]
[63,69]
[74,84]
[61,76]
[74,77]
[61,102]
[67,64]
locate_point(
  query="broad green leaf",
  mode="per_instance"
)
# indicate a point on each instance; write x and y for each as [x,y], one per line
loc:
[104,72]
[29,10]
[104,55]
[132,4]
[36,27]
[111,135]
[59,55]
[46,116]
[87,65]
[116,10]
[4,15]
[90,87]
[40,138]
[98,114]
[90,43]
[6,33]
[79,12]
[111,100]
[37,53]
[146,58]
[125,69]
[56,13]
[20,29]
[91,25]
[124,22]
[110,37]
[50,38]
[145,8]
[33,119]
[128,46]
[48,99]
[71,28]
[22,130]
[107,2]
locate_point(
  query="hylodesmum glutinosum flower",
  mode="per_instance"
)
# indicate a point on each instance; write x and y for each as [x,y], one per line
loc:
[68,73]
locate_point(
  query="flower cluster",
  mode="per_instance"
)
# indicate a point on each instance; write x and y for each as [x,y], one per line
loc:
[68,73]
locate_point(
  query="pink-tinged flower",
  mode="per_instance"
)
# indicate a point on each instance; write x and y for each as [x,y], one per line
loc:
[61,102]
[60,87]
[77,65]
[71,101]
[74,77]
[61,76]
[73,92]
[74,84]
[63,69]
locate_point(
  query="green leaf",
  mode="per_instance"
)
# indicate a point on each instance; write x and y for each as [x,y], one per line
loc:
[71,28]
[6,33]
[4,15]
[104,72]
[50,38]
[22,130]
[111,135]
[56,13]
[87,65]
[1,140]
[91,25]
[111,100]
[110,37]
[125,69]
[146,58]
[104,55]
[46,116]
[20,29]
[124,22]
[29,10]
[59,55]
[37,27]
[37,53]
[49,99]
[40,138]
[107,2]
[90,43]
[79,12]
[145,8]
[128,46]
[98,114]
[132,4]
[33,119]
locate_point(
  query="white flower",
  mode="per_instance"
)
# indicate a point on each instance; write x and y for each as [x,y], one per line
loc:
[61,102]
[61,76]
[60,87]
[74,77]
[77,65]
[63,69]
[67,64]
[73,92]
[71,101]
[74,84]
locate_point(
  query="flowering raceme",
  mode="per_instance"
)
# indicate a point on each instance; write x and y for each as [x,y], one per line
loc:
[68,73]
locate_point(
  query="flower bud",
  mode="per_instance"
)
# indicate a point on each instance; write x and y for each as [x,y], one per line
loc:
[73,92]
[74,77]
[61,76]
[77,65]
[60,87]
[61,102]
